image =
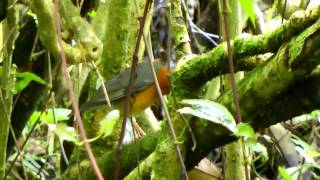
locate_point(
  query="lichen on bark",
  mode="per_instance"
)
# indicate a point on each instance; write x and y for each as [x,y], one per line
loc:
[88,47]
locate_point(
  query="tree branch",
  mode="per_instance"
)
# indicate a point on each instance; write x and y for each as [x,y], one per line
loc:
[88,47]
[213,63]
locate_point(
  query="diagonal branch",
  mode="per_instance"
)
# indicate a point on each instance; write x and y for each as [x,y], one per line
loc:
[213,63]
[261,87]
[75,106]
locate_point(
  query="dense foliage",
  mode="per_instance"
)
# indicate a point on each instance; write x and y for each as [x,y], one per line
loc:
[243,101]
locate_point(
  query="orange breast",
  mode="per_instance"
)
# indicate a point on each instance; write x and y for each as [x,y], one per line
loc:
[147,97]
[163,79]
[144,99]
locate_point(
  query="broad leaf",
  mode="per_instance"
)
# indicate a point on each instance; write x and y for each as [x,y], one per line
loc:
[61,114]
[314,154]
[209,110]
[108,123]
[248,6]
[92,14]
[284,174]
[67,133]
[244,130]
[23,80]
[64,132]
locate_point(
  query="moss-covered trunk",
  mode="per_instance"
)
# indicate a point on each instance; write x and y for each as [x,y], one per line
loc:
[7,83]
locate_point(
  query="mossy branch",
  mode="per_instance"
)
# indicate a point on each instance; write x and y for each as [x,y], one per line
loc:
[141,148]
[179,29]
[7,83]
[88,46]
[261,87]
[213,63]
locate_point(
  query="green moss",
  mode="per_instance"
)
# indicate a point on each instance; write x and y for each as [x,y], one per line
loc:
[120,37]
[88,47]
[166,159]
[115,50]
[87,42]
[179,30]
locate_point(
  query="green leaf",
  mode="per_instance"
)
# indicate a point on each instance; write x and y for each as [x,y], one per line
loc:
[64,132]
[244,130]
[33,15]
[248,6]
[209,110]
[61,114]
[315,113]
[92,14]
[314,154]
[284,173]
[67,133]
[108,123]
[23,80]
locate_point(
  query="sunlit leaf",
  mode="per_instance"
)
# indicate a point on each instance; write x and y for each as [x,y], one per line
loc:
[64,132]
[209,110]
[284,173]
[108,123]
[314,154]
[23,80]
[315,113]
[67,133]
[61,114]
[92,14]
[248,6]
[244,130]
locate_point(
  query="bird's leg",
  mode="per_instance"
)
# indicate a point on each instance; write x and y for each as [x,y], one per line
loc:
[140,132]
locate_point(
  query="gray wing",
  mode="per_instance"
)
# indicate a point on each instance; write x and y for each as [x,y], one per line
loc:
[116,87]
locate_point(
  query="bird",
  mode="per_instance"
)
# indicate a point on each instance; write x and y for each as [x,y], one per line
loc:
[144,91]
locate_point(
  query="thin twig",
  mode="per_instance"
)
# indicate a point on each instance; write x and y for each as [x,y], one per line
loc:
[136,145]
[74,103]
[284,10]
[103,86]
[166,111]
[232,76]
[63,152]
[230,62]
[13,106]
[129,88]
[175,102]
[27,138]
[8,36]
[195,28]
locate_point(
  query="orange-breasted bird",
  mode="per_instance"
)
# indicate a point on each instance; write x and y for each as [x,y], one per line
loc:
[144,92]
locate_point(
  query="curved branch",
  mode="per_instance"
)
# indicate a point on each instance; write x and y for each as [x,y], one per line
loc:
[89,47]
